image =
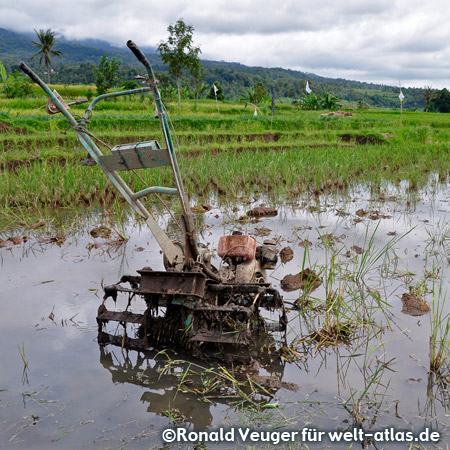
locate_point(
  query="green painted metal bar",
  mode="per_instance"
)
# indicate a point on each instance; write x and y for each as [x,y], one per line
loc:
[163,120]
[191,249]
[172,252]
[155,190]
[89,109]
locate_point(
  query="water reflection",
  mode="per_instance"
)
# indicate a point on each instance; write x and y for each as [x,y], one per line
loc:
[174,388]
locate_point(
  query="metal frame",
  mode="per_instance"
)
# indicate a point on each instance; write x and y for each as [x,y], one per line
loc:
[109,164]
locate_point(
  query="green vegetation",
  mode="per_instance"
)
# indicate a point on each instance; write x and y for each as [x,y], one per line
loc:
[46,41]
[76,68]
[216,93]
[15,84]
[179,53]
[231,152]
[106,74]
[323,100]
[440,101]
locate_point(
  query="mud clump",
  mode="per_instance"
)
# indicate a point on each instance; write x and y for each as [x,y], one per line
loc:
[286,255]
[262,211]
[358,250]
[57,239]
[273,384]
[372,215]
[337,114]
[262,231]
[307,280]
[101,232]
[414,305]
[199,209]
[361,213]
[11,241]
[304,243]
[331,239]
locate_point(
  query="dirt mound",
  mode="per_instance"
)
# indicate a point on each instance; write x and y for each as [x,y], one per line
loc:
[306,280]
[262,231]
[12,241]
[337,114]
[414,305]
[286,254]
[262,211]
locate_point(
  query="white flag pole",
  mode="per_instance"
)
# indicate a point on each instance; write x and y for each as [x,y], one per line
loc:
[215,94]
[401,97]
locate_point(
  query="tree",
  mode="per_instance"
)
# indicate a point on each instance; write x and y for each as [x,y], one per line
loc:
[46,41]
[260,92]
[441,102]
[428,95]
[179,52]
[198,77]
[105,74]
[15,84]
[329,101]
[249,96]
[166,88]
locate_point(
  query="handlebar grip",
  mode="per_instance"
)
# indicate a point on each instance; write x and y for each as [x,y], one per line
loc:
[139,55]
[25,69]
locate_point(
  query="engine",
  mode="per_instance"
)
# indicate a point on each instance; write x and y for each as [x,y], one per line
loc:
[245,261]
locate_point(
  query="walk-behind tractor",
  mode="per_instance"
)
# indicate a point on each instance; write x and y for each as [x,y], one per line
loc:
[192,304]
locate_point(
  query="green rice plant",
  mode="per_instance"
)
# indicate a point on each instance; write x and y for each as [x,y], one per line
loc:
[439,334]
[25,363]
[308,154]
[354,404]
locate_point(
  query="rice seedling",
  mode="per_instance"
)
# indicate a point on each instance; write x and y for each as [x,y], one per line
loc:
[354,404]
[24,362]
[439,335]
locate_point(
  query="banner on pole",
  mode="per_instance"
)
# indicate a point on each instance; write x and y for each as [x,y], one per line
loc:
[307,88]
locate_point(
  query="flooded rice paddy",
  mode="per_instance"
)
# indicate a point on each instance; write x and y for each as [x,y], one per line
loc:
[361,336]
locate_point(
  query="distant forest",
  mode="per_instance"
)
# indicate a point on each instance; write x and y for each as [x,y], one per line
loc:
[75,67]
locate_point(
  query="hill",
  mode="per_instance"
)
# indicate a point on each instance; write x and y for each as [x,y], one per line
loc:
[79,56]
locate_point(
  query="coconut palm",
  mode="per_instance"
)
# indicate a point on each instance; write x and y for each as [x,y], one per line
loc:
[428,94]
[46,41]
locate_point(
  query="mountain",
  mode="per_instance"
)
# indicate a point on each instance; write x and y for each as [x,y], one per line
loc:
[15,47]
[79,55]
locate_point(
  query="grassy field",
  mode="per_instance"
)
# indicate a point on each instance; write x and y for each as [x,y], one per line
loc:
[229,152]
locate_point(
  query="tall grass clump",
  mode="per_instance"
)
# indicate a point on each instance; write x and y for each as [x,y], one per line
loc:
[439,335]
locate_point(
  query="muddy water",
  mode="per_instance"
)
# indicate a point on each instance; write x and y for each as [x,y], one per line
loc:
[74,394]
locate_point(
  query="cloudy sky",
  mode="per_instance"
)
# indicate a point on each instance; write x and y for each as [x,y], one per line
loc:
[380,41]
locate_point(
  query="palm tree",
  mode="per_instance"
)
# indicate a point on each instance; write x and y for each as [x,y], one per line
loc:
[45,44]
[428,94]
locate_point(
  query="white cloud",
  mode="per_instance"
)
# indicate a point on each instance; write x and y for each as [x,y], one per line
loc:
[371,40]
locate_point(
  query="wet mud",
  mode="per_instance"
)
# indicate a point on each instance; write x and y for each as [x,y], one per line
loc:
[414,305]
[306,280]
